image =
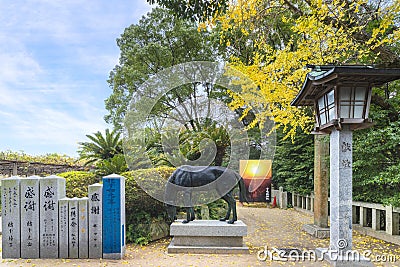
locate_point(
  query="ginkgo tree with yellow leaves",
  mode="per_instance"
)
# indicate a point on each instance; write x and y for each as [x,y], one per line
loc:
[282,37]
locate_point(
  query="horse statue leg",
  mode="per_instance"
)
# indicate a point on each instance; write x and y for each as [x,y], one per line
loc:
[231,207]
[228,214]
[233,204]
[189,210]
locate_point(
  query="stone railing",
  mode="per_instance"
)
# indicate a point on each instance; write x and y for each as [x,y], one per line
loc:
[370,216]
[303,202]
[281,197]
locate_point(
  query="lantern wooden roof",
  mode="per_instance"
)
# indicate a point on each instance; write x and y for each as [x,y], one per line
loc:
[323,78]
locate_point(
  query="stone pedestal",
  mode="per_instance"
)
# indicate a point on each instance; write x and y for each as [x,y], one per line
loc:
[316,231]
[208,236]
[114,217]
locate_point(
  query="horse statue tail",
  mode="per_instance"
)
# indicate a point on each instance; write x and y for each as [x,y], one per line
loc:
[242,190]
[170,191]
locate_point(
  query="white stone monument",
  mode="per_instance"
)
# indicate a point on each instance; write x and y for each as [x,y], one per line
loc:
[73,229]
[63,224]
[95,221]
[83,226]
[11,228]
[52,188]
[29,189]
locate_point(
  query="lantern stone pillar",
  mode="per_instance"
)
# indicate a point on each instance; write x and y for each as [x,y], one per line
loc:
[340,251]
[341,189]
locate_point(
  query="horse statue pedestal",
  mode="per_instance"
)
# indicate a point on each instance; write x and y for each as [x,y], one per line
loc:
[208,237]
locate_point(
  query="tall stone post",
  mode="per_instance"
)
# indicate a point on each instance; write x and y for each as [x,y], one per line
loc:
[83,226]
[11,218]
[321,181]
[52,188]
[341,158]
[95,221]
[30,217]
[63,227]
[341,212]
[113,217]
[73,230]
[320,228]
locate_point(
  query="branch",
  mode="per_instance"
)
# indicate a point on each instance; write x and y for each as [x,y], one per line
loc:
[293,7]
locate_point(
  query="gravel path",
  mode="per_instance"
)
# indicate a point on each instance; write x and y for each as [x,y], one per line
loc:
[266,227]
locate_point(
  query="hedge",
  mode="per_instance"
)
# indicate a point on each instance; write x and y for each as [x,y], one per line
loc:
[77,182]
[145,216]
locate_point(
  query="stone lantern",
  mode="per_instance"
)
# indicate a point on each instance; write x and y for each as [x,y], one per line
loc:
[341,96]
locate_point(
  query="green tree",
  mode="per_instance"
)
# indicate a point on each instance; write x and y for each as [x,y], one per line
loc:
[157,42]
[197,10]
[293,163]
[100,147]
[161,40]
[377,152]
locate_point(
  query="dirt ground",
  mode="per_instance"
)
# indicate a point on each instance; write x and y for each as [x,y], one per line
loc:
[266,228]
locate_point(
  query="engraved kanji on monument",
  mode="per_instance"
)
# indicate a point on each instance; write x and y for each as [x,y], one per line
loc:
[95,221]
[29,189]
[52,188]
[63,227]
[114,218]
[73,229]
[83,226]
[10,202]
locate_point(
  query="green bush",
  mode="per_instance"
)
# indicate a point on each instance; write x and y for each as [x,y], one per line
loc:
[143,212]
[77,182]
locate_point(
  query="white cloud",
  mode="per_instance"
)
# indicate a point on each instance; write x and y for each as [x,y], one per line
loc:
[55,56]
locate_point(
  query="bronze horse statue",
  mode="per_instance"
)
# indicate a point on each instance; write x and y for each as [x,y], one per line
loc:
[190,178]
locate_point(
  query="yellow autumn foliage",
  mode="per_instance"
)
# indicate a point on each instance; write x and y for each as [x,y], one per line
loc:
[324,32]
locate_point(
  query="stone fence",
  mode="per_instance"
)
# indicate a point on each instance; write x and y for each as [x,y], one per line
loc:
[374,219]
[280,196]
[38,221]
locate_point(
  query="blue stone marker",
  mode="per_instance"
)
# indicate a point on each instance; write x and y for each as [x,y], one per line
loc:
[113,217]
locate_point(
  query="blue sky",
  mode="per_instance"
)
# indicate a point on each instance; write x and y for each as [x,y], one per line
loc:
[55,58]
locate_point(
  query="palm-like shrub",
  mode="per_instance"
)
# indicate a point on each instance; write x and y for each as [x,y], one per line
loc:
[101,147]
